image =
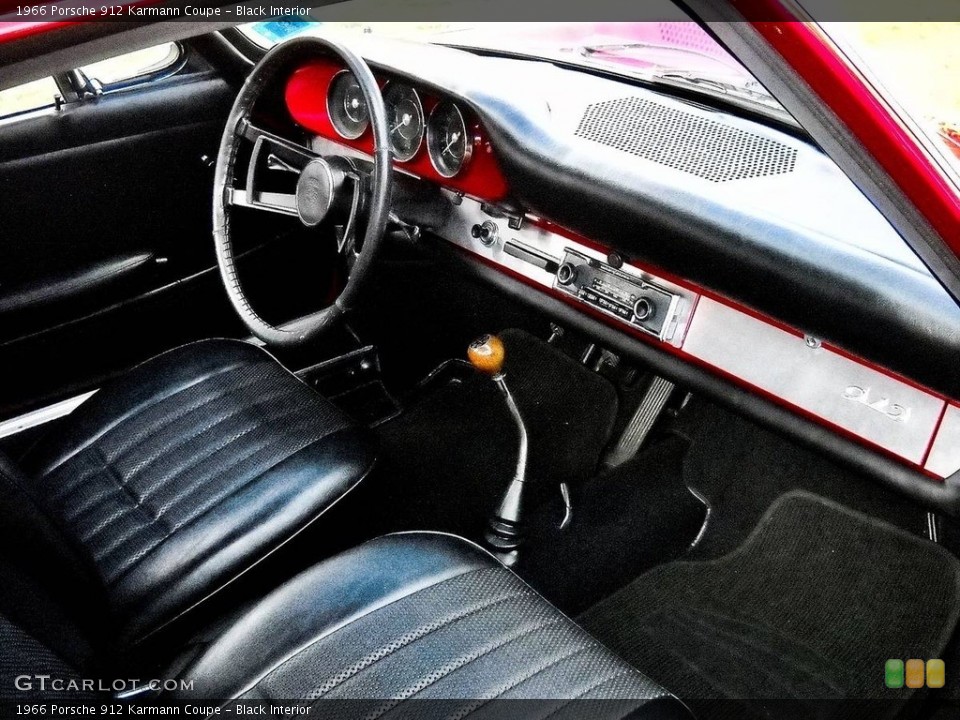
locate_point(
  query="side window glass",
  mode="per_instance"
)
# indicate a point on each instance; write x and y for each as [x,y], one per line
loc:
[133,67]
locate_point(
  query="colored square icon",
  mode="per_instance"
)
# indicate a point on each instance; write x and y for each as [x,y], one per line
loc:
[914,674]
[936,674]
[893,674]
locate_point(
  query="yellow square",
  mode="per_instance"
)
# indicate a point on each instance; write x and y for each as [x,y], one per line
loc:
[914,673]
[936,674]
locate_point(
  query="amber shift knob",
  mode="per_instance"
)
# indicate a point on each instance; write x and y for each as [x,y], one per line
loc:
[486,354]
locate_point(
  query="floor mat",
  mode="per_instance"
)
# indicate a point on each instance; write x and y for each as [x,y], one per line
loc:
[447,459]
[741,468]
[807,610]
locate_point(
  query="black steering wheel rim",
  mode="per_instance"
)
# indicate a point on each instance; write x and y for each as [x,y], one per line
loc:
[281,59]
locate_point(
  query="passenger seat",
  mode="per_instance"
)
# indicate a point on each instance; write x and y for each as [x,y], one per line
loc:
[411,616]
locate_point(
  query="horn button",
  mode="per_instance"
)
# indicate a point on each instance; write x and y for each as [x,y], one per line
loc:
[319,191]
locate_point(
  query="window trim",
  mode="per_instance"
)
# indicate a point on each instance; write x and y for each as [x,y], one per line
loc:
[69,95]
[169,70]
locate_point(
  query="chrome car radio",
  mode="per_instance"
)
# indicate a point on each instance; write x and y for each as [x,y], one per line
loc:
[633,300]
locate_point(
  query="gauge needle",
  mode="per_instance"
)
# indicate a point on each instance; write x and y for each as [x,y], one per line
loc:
[405,120]
[453,140]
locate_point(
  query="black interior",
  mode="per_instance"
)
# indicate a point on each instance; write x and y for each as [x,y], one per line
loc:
[706,547]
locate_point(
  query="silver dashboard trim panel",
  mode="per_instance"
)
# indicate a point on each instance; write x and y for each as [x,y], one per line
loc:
[944,458]
[872,405]
[550,246]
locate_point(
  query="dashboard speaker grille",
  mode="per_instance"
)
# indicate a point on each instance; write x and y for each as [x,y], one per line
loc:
[684,141]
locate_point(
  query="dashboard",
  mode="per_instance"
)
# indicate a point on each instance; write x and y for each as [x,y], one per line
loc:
[617,201]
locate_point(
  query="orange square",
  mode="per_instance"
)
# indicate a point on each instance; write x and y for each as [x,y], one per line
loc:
[936,674]
[915,673]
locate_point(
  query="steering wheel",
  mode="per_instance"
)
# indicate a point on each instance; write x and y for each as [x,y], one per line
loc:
[323,187]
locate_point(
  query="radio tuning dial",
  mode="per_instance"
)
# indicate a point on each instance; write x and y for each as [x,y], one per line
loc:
[644,309]
[566,273]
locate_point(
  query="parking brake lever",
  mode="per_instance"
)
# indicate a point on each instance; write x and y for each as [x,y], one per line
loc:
[504,528]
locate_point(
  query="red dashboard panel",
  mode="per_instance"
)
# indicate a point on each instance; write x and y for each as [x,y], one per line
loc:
[306,99]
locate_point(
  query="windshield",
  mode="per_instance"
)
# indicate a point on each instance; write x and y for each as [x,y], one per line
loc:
[673,51]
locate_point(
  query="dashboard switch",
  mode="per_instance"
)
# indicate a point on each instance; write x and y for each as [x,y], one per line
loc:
[487,233]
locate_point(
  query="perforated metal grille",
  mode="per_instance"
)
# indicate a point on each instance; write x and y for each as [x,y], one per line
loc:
[684,141]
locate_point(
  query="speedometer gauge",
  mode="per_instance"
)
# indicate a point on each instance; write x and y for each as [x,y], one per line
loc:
[405,117]
[346,106]
[448,142]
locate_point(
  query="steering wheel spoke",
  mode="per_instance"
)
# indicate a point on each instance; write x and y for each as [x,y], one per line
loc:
[258,136]
[279,203]
[281,155]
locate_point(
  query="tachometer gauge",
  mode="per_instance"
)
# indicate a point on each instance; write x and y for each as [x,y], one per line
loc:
[405,117]
[448,142]
[346,106]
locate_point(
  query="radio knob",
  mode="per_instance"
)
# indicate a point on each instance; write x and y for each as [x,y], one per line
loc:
[566,273]
[644,309]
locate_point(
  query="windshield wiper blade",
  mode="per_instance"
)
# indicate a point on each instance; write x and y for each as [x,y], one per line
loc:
[740,95]
[720,85]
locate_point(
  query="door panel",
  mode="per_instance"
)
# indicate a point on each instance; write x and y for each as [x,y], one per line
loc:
[106,254]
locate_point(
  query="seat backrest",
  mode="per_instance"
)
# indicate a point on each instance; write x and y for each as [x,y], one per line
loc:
[48,592]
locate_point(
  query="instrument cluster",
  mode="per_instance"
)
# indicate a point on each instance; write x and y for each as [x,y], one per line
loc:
[433,137]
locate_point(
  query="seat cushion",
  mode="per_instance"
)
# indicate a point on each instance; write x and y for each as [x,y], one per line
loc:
[188,470]
[419,616]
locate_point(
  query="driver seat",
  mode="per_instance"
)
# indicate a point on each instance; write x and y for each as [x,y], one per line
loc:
[177,478]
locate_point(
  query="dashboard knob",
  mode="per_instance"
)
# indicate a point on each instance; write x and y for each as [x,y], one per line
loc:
[644,308]
[487,233]
[566,273]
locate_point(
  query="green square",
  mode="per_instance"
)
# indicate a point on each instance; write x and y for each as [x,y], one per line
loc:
[893,674]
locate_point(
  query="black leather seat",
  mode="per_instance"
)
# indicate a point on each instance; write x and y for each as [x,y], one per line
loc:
[185,472]
[411,617]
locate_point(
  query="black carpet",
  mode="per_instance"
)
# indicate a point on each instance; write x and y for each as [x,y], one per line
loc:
[741,468]
[808,609]
[625,521]
[445,461]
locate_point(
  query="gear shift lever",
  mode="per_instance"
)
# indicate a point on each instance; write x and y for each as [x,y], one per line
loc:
[504,531]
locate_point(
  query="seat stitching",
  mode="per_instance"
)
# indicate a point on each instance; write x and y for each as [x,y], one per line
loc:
[196,433]
[123,538]
[386,651]
[119,488]
[135,412]
[166,421]
[456,666]
[126,567]
[64,490]
[206,453]
[216,499]
[516,683]
[432,587]
[172,528]
[75,513]
[590,689]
